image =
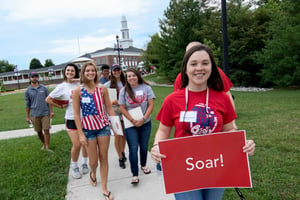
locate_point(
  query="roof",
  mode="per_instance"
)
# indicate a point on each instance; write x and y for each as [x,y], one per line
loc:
[81,59]
[129,49]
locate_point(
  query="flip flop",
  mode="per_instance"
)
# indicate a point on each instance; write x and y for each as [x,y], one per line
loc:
[135,180]
[93,181]
[108,196]
[146,170]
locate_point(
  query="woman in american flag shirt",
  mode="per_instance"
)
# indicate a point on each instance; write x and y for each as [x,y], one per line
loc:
[90,103]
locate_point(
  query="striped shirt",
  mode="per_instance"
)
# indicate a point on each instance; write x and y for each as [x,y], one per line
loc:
[93,112]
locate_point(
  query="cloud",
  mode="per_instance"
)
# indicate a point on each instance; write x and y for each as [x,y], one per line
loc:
[64,29]
[78,46]
[52,11]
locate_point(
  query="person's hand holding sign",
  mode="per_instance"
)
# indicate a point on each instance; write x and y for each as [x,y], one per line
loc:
[164,133]
[249,147]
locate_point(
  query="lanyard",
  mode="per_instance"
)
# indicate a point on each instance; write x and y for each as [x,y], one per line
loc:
[187,99]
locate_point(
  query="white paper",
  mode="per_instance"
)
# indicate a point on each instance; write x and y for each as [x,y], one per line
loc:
[116,125]
[86,100]
[112,92]
[188,116]
[139,93]
[136,113]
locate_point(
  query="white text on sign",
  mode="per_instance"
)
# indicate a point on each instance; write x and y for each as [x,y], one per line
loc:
[200,164]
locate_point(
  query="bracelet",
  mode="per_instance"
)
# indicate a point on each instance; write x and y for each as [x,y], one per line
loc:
[144,119]
[155,144]
[131,120]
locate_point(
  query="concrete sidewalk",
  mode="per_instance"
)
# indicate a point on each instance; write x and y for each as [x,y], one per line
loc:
[150,186]
[119,182]
[28,132]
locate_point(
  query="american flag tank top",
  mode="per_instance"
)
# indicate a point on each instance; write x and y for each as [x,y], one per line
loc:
[92,108]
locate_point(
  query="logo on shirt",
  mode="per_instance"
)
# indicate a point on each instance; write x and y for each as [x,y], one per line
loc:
[139,99]
[206,121]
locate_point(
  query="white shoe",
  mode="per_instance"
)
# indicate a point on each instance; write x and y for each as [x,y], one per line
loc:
[85,169]
[76,173]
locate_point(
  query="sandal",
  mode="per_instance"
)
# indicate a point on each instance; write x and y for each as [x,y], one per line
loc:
[146,170]
[108,196]
[93,181]
[135,180]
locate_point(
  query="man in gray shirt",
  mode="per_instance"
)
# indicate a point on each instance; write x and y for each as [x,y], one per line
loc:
[38,112]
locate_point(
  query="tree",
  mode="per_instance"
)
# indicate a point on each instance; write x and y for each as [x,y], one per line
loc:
[177,29]
[153,50]
[247,30]
[5,66]
[280,57]
[48,63]
[35,64]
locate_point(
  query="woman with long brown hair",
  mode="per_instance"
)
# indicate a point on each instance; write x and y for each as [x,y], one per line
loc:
[117,81]
[137,93]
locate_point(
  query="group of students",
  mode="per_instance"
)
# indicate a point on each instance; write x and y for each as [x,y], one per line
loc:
[87,118]
[201,90]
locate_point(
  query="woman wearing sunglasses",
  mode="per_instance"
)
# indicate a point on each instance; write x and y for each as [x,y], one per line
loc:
[199,108]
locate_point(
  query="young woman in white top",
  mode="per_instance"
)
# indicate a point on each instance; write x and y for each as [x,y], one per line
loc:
[64,91]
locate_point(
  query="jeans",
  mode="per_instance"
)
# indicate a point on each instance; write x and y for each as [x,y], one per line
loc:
[204,194]
[138,137]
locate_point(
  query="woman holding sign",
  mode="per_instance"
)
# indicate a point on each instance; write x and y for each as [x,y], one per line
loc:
[199,108]
[90,101]
[64,91]
[117,81]
[136,103]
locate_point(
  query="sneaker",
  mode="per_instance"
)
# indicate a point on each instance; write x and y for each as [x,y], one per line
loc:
[75,173]
[124,157]
[122,163]
[85,169]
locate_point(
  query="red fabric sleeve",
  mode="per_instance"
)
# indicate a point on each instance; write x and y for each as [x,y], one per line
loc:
[177,82]
[227,83]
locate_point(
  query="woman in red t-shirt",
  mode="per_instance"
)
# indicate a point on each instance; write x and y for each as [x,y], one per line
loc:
[200,107]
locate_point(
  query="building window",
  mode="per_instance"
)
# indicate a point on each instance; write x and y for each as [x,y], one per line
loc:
[103,60]
[98,61]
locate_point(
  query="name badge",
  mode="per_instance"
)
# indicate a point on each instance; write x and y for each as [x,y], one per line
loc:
[139,93]
[86,100]
[188,116]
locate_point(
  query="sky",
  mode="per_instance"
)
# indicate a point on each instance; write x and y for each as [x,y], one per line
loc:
[62,30]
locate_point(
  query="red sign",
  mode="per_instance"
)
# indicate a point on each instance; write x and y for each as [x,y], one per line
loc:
[207,161]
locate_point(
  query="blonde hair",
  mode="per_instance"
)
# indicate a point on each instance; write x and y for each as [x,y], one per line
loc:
[83,79]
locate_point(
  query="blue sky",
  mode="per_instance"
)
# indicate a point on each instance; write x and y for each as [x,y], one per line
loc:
[65,29]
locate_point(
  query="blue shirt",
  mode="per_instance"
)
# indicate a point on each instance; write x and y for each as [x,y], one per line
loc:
[103,80]
[35,100]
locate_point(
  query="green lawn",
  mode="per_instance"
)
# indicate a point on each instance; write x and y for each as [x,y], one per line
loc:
[270,118]
[13,113]
[26,172]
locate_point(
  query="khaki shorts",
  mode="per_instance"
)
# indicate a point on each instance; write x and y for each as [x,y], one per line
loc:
[41,123]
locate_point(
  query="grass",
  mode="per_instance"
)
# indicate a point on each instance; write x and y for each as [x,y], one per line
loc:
[157,78]
[270,118]
[13,112]
[30,173]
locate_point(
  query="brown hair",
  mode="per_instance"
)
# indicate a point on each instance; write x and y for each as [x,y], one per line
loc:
[82,77]
[71,65]
[214,81]
[127,86]
[113,81]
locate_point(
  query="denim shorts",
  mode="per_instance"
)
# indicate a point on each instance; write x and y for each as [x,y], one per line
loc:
[93,134]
